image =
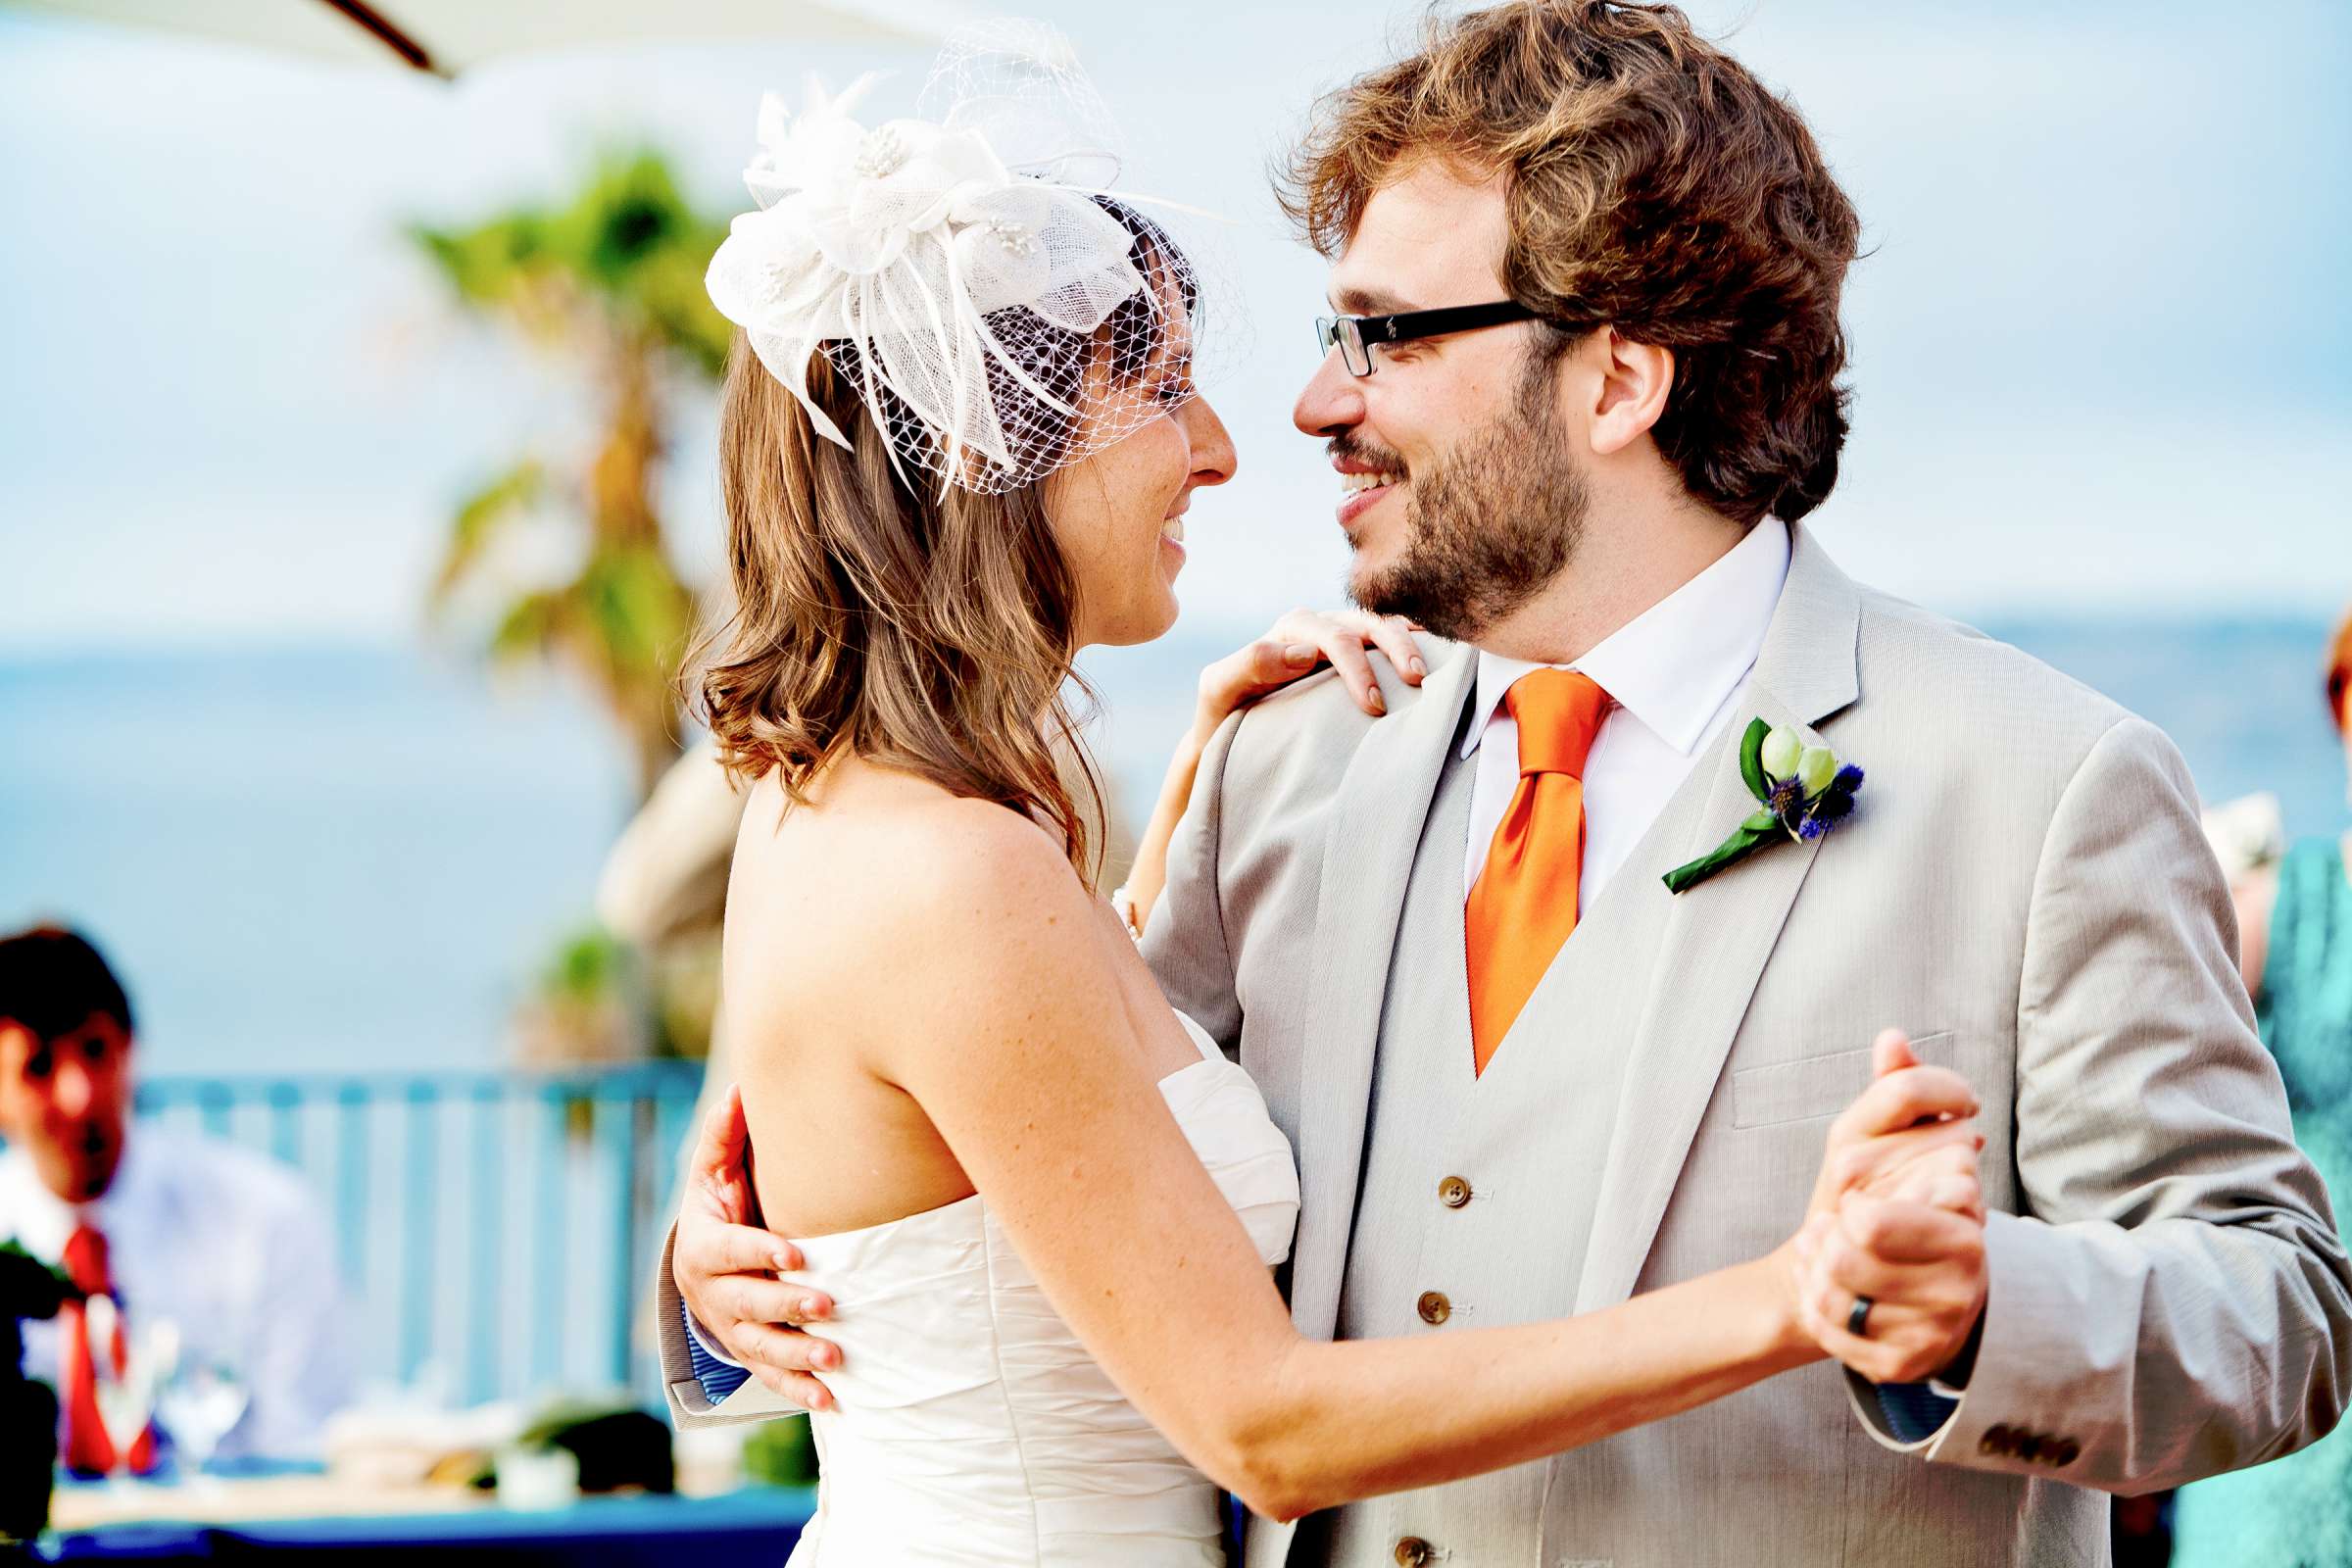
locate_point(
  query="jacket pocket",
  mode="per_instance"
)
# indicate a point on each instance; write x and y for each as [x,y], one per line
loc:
[1817,1086]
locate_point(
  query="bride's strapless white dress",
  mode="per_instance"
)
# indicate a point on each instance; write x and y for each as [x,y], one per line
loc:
[972,1427]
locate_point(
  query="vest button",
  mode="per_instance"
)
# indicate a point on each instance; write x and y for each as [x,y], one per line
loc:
[1433,1307]
[1453,1192]
[1412,1552]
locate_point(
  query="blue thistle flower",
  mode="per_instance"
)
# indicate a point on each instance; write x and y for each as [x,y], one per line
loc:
[1787,795]
[1832,806]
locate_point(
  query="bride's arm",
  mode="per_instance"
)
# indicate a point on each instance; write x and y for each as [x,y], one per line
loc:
[1298,645]
[1019,1041]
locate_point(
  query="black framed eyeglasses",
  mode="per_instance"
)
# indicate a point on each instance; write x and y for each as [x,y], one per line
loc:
[1356,336]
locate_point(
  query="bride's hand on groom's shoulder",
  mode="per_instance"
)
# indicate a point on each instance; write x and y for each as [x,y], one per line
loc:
[725,1264]
[1897,1217]
[1294,647]
[1301,643]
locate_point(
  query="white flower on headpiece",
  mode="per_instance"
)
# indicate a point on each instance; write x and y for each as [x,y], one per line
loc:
[902,241]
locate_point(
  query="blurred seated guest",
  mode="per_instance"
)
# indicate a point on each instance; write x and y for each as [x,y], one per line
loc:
[220,1242]
[2295,947]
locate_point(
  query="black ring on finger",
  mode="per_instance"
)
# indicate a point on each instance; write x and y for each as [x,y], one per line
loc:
[1857,1317]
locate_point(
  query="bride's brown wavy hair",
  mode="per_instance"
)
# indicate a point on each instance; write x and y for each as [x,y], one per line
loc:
[927,629]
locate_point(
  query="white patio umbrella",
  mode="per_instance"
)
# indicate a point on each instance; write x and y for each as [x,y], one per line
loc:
[447,37]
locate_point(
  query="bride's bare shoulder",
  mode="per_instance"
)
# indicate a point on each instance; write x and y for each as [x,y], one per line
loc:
[904,868]
[961,857]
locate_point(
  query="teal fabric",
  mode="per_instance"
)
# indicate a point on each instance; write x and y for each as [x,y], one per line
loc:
[2297,1512]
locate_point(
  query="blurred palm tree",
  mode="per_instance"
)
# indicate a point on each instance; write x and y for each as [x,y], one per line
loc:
[614,281]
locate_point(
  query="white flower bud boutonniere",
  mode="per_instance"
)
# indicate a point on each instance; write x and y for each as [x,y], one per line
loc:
[1802,791]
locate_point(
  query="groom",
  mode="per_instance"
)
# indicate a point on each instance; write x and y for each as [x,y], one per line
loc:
[1522,1077]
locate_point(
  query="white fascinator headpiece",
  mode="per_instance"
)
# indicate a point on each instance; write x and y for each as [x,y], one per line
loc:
[969,274]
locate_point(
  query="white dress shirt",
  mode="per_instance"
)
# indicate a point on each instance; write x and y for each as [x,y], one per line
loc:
[231,1248]
[1673,672]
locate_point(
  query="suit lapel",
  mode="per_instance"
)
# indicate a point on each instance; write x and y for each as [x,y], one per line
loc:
[1375,829]
[1717,937]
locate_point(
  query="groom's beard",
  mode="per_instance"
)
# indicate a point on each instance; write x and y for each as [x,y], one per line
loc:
[1489,527]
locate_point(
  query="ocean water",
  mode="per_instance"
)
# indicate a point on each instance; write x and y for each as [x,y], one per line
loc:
[305,859]
[340,857]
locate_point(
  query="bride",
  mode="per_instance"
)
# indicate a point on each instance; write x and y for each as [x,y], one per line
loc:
[960,437]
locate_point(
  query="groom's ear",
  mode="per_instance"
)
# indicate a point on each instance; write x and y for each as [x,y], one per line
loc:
[1628,383]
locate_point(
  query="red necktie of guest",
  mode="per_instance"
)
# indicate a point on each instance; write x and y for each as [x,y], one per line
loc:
[89,1448]
[1524,904]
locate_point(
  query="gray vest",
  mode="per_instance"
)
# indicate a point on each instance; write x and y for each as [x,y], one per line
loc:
[1477,1200]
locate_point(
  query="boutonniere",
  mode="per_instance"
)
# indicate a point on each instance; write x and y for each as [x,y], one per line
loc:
[1802,792]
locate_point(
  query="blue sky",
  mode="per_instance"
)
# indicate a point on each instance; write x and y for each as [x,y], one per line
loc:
[2100,340]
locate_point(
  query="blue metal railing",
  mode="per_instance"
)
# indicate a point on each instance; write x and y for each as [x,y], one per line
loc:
[495,1229]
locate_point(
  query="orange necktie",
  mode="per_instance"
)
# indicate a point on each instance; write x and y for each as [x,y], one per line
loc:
[1524,904]
[89,1448]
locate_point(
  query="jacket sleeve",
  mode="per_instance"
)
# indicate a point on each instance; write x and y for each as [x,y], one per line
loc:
[694,1387]
[1185,940]
[2174,1301]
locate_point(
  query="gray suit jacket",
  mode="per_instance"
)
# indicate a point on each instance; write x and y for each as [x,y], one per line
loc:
[2024,886]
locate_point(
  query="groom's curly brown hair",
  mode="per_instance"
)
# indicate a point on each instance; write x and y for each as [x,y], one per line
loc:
[1653,185]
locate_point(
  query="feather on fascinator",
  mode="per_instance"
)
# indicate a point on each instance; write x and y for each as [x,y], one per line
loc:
[960,271]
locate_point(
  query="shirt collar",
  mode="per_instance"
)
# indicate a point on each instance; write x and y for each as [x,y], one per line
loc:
[1673,666]
[42,1220]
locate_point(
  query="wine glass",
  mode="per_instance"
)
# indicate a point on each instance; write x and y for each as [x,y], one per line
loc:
[198,1399]
[125,1395]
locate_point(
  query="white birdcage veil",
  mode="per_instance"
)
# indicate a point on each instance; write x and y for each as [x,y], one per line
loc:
[997,311]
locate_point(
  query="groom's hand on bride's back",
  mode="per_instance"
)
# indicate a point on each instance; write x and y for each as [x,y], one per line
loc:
[726,1264]
[1897,1217]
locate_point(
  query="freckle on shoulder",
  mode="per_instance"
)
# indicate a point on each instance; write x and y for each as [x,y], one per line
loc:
[958,860]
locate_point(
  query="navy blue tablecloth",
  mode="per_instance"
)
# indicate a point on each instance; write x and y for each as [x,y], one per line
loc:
[755,1528]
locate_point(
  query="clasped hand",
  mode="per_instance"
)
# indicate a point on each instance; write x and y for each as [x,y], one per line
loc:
[1897,1215]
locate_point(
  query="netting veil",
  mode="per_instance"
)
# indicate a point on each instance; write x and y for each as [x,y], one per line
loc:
[998,312]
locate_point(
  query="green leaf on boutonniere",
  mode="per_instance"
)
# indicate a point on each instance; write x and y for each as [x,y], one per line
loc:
[1806,792]
[1751,759]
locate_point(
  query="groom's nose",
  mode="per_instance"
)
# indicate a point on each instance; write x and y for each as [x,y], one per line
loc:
[1332,400]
